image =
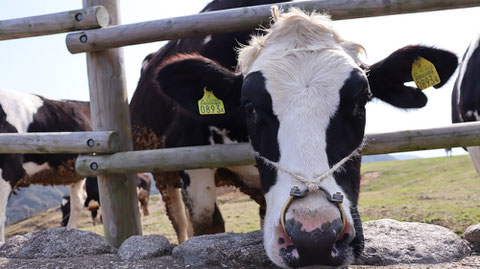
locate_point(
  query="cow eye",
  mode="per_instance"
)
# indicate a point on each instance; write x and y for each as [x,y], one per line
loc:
[249,108]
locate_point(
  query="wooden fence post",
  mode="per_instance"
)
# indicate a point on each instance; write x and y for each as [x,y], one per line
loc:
[110,112]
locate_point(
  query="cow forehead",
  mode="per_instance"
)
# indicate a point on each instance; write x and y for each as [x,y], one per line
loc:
[303,60]
[300,82]
[295,30]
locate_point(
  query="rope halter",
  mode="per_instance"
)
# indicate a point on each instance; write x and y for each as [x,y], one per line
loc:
[313,185]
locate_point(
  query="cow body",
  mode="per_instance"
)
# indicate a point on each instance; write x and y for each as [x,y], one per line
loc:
[466,93]
[21,113]
[300,93]
[159,122]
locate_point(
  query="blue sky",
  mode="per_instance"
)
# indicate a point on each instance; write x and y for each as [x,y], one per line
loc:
[42,65]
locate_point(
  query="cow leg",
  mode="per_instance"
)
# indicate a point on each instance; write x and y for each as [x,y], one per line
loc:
[200,198]
[474,153]
[76,203]
[143,198]
[5,190]
[247,180]
[169,185]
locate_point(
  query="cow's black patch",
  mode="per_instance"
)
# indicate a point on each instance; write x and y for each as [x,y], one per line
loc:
[469,89]
[11,164]
[185,179]
[262,125]
[346,130]
[91,187]
[316,246]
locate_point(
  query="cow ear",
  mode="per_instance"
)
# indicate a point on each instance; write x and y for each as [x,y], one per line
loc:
[185,79]
[388,76]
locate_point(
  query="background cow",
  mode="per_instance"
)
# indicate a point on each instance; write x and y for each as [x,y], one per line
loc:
[158,122]
[21,113]
[300,95]
[92,201]
[466,93]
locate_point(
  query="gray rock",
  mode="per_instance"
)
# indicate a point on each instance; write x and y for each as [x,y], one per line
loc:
[55,243]
[392,242]
[224,250]
[472,235]
[144,247]
[14,245]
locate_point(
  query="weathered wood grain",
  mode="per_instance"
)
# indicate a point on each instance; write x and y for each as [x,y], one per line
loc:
[238,19]
[56,142]
[109,111]
[74,20]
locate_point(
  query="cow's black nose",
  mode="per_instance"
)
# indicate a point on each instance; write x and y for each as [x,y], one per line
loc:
[318,246]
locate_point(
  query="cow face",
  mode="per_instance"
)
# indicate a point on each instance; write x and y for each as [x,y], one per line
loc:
[301,94]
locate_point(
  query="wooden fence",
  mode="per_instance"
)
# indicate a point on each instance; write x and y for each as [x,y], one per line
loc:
[108,96]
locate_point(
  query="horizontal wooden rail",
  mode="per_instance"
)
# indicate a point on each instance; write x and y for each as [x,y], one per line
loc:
[74,20]
[238,19]
[65,142]
[171,159]
[455,135]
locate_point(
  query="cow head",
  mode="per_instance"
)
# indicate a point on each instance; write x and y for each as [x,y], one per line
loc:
[302,92]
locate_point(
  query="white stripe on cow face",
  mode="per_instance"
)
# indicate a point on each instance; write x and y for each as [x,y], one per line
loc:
[19,107]
[5,190]
[302,131]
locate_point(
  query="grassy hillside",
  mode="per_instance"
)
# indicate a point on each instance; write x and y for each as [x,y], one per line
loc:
[443,191]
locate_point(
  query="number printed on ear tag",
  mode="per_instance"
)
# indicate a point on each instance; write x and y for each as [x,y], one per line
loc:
[424,73]
[209,104]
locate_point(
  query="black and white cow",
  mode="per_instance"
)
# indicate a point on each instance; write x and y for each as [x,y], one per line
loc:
[159,122]
[21,113]
[92,200]
[300,97]
[466,93]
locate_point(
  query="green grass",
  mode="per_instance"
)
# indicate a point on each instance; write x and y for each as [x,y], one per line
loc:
[443,191]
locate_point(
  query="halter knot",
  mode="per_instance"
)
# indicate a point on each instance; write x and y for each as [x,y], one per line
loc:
[312,187]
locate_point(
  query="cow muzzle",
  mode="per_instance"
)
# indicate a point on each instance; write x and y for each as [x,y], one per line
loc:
[320,235]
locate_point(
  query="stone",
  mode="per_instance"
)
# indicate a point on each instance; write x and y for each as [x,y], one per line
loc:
[472,235]
[56,243]
[144,247]
[389,242]
[224,250]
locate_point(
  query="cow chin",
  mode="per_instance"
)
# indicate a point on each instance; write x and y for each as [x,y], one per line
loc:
[314,232]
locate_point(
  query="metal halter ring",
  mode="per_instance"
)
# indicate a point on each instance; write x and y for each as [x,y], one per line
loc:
[295,192]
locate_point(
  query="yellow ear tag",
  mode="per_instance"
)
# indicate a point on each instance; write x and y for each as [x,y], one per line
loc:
[209,104]
[424,73]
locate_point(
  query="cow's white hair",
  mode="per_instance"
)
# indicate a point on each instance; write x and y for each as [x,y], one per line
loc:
[296,29]
[19,108]
[305,63]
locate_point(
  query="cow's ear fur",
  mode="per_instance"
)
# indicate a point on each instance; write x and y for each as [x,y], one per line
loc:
[184,77]
[388,76]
